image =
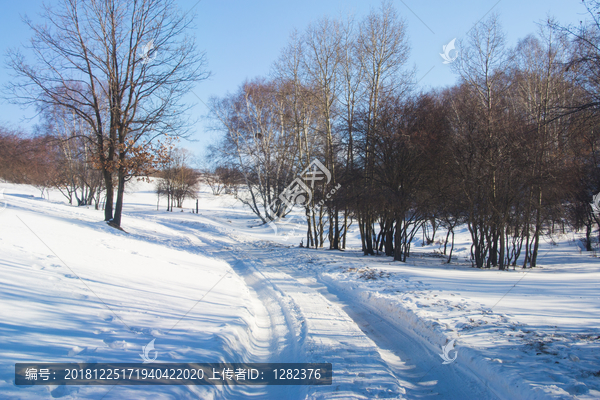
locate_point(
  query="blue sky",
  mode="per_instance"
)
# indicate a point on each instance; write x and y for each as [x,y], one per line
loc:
[243,38]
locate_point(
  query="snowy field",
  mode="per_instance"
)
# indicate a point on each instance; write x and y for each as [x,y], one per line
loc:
[218,287]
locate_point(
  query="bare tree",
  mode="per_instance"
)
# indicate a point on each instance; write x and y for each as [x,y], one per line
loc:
[352,92]
[222,180]
[481,67]
[541,91]
[582,70]
[324,42]
[76,175]
[126,63]
[383,49]
[299,90]
[257,143]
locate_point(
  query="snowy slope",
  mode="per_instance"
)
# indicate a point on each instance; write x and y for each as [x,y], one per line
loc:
[133,288]
[74,289]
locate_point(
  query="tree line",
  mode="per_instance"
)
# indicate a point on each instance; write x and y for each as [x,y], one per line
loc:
[510,150]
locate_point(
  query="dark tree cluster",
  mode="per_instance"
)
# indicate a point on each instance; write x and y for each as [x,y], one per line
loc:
[511,150]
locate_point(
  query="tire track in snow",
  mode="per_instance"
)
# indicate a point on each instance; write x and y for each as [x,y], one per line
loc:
[331,336]
[274,331]
[305,326]
[414,363]
[312,322]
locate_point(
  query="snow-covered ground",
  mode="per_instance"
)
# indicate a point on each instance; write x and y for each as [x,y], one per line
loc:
[217,287]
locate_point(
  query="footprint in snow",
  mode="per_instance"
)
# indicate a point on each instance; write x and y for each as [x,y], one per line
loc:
[106,316]
[79,296]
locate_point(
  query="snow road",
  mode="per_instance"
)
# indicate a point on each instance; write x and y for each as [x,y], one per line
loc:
[372,357]
[215,288]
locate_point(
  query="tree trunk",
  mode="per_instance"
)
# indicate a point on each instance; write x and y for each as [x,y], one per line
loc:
[538,228]
[501,254]
[446,241]
[588,236]
[398,240]
[336,235]
[451,247]
[108,204]
[120,193]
